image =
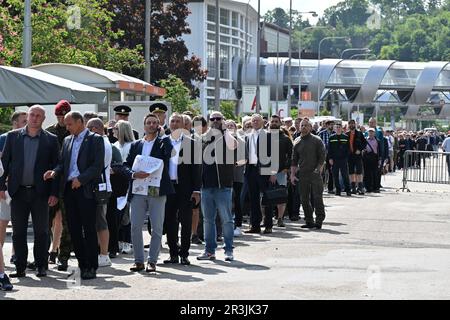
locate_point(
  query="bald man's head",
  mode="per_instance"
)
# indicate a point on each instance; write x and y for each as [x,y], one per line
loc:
[36,116]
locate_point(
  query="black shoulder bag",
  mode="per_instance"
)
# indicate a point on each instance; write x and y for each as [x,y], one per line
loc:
[101,194]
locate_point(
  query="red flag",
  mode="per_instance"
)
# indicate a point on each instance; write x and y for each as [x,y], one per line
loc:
[253,104]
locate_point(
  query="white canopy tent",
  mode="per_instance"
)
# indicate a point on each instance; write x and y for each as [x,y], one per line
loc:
[21,86]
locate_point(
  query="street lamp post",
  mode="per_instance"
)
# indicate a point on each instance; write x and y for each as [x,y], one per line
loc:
[26,51]
[258,53]
[290,56]
[148,12]
[318,69]
[354,49]
[217,61]
[299,58]
[246,41]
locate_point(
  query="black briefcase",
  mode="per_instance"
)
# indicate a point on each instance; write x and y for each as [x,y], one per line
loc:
[275,194]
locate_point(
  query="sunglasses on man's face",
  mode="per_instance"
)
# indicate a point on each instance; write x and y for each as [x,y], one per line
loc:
[215,119]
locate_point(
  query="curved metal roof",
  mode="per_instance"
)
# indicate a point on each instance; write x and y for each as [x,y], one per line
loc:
[412,82]
[100,78]
[23,86]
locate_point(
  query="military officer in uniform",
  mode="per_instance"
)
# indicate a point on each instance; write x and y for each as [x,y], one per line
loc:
[57,213]
[122,113]
[160,110]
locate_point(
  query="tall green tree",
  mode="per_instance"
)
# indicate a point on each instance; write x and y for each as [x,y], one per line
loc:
[347,13]
[280,17]
[169,54]
[178,94]
[73,31]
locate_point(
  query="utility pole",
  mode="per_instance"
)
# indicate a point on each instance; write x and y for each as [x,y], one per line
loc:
[148,12]
[290,58]
[217,60]
[258,54]
[278,67]
[27,36]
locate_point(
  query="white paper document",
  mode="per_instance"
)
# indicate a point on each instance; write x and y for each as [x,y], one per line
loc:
[151,165]
[122,202]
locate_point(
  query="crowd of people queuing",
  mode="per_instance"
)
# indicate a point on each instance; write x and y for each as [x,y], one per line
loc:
[76,178]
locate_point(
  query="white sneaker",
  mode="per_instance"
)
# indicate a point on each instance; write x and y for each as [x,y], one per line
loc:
[237,232]
[229,256]
[127,248]
[104,261]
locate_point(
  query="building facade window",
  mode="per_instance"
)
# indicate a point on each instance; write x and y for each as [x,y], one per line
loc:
[224,16]
[211,66]
[235,19]
[211,13]
[224,62]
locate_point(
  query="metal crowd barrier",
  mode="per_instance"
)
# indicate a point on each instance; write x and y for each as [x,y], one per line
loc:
[426,167]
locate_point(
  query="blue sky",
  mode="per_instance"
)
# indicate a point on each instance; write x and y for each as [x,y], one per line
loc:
[300,5]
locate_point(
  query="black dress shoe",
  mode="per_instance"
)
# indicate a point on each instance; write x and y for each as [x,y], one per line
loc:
[171,260]
[151,267]
[185,261]
[31,265]
[308,226]
[294,218]
[319,226]
[253,230]
[349,194]
[112,255]
[62,265]
[18,274]
[137,267]
[52,257]
[267,230]
[88,274]
[41,272]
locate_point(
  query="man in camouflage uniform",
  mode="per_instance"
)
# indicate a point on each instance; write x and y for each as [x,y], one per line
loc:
[65,247]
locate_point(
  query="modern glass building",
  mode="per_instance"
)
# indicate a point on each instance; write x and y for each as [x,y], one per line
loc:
[238,33]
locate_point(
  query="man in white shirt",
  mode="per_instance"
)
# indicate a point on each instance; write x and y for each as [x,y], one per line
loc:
[185,175]
[96,125]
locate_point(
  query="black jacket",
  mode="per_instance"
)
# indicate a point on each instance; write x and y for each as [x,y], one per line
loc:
[359,142]
[338,147]
[285,154]
[90,162]
[13,162]
[219,173]
[190,167]
[162,149]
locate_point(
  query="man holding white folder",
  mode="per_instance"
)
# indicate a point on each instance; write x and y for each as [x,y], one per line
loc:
[149,192]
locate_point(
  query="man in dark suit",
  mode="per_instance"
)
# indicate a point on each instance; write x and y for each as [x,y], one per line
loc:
[79,170]
[154,199]
[28,153]
[185,174]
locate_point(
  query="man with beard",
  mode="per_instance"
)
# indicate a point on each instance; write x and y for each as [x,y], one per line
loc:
[308,158]
[285,155]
